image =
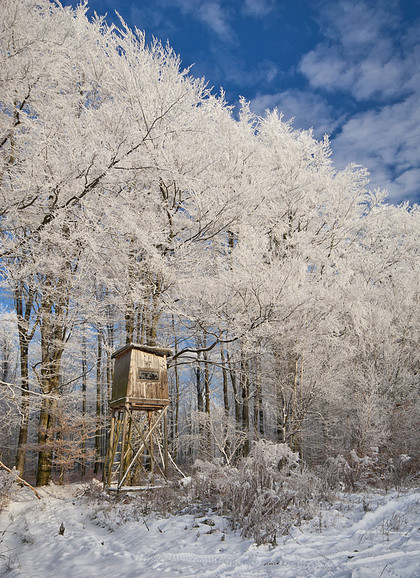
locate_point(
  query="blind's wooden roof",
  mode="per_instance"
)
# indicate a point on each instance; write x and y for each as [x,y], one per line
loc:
[160,351]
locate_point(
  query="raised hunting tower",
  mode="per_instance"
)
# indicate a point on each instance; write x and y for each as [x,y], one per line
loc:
[139,403]
[140,377]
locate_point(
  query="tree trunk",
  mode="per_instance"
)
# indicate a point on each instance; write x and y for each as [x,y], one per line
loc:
[207,440]
[54,334]
[98,448]
[24,420]
[245,403]
[199,386]
[129,322]
[225,384]
[25,336]
[177,396]
[258,404]
[84,386]
[109,372]
[155,314]
[225,401]
[236,400]
[46,440]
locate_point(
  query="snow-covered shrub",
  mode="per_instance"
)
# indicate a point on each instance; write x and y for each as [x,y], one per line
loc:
[352,473]
[269,492]
[212,483]
[115,509]
[94,489]
[273,492]
[357,473]
[400,471]
[6,486]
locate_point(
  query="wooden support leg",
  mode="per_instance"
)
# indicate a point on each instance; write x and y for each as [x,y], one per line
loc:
[151,452]
[165,443]
[123,446]
[109,453]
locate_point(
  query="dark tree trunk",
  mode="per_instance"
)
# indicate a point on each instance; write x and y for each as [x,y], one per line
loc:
[23,312]
[245,403]
[98,432]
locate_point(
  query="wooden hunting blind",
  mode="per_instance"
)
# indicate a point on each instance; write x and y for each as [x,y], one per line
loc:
[139,403]
[140,377]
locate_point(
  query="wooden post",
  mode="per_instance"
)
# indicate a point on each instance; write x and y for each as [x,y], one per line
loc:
[152,459]
[110,454]
[123,444]
[128,450]
[165,443]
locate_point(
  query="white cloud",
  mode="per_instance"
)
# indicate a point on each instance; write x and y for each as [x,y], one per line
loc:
[213,15]
[361,53]
[357,24]
[259,8]
[369,55]
[380,74]
[386,141]
[264,73]
[240,72]
[406,182]
[326,69]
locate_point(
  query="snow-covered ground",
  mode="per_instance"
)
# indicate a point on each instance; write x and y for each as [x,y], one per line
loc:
[373,536]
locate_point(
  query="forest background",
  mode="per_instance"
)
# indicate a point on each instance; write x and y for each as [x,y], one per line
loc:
[135,206]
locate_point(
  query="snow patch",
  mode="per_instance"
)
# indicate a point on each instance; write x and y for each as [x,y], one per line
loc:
[360,535]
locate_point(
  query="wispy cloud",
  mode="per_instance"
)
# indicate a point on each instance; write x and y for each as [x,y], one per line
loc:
[386,140]
[367,56]
[361,53]
[216,18]
[213,14]
[242,75]
[259,8]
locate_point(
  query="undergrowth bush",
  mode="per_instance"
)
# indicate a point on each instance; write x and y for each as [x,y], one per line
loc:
[6,487]
[212,483]
[115,509]
[266,494]
[358,473]
[269,492]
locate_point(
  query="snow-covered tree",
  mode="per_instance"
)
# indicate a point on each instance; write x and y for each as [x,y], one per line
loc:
[135,207]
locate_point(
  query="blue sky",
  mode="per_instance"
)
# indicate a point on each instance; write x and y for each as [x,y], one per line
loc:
[348,68]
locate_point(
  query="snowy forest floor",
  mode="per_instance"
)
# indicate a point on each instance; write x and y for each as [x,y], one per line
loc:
[371,535]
